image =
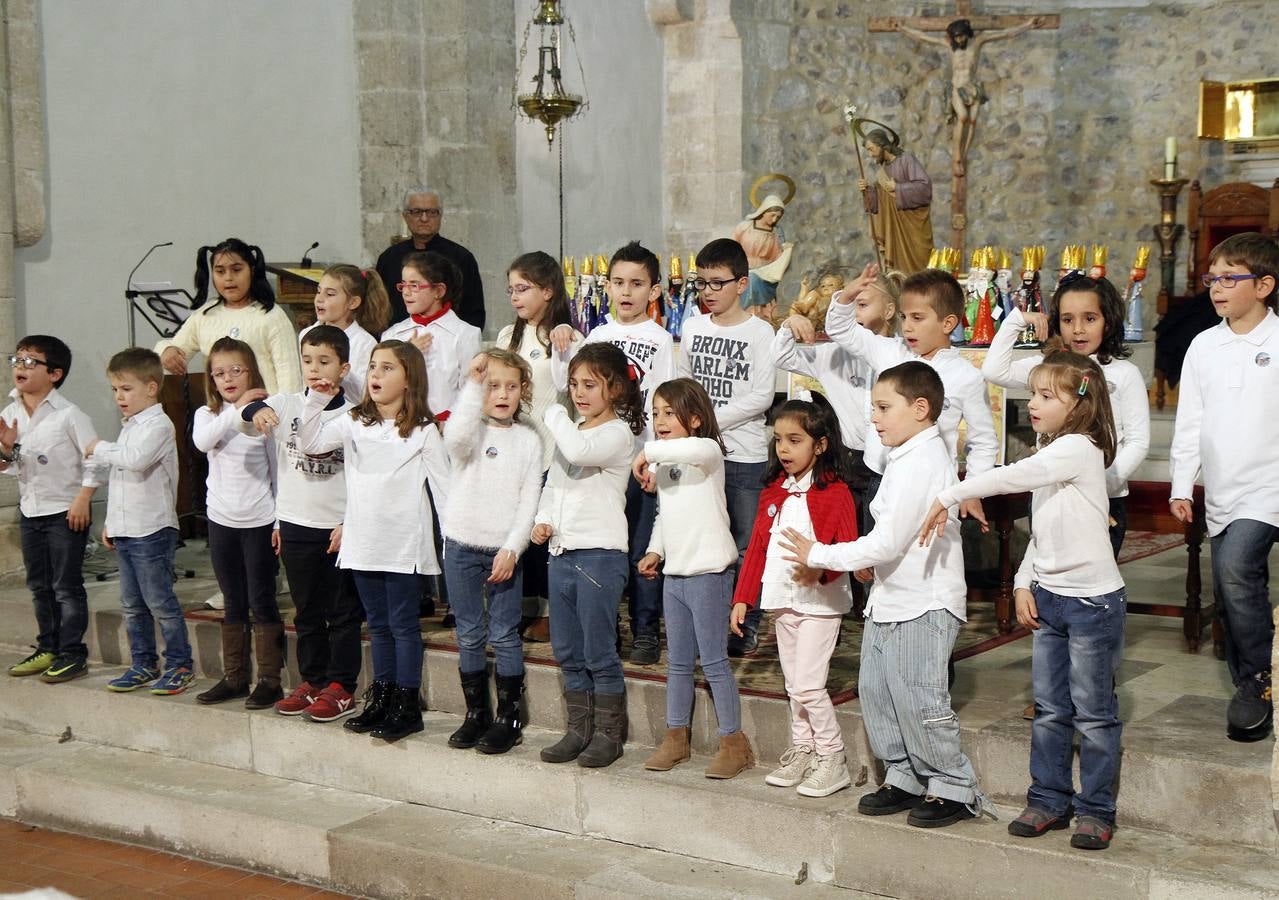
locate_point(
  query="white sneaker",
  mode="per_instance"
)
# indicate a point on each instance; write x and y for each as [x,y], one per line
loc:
[830,774]
[215,602]
[796,762]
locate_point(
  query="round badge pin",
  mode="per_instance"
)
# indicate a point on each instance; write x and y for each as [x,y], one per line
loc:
[945,403]
[1262,359]
[235,333]
[491,452]
[772,510]
[676,473]
[42,459]
[535,354]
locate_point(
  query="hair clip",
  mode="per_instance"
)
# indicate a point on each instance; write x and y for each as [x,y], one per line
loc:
[804,395]
[1083,386]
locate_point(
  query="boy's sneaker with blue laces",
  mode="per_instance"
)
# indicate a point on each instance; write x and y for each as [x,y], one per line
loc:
[35,664]
[134,678]
[174,681]
[64,668]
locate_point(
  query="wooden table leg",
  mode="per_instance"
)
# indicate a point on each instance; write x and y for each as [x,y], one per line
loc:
[1003,517]
[1192,623]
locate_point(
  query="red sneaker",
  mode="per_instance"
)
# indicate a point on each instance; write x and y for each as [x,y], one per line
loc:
[332,703]
[297,702]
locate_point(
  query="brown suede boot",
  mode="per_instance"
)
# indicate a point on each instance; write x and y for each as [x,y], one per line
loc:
[671,752]
[235,672]
[735,756]
[268,647]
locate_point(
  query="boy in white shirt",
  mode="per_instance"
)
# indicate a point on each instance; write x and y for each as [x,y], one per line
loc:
[1227,428]
[634,281]
[43,437]
[142,523]
[916,607]
[729,352]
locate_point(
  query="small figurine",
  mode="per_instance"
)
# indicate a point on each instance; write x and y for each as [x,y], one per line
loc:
[981,298]
[813,304]
[1098,268]
[1134,329]
[692,297]
[1004,282]
[585,297]
[1028,297]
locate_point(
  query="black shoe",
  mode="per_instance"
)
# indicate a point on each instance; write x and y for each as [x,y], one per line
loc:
[426,609]
[479,712]
[934,812]
[223,691]
[375,702]
[403,715]
[264,695]
[745,645]
[887,800]
[449,620]
[508,726]
[1251,713]
[646,650]
[64,668]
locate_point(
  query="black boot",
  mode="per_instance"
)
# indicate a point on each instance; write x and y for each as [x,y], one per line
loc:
[375,702]
[508,727]
[580,729]
[479,713]
[610,732]
[403,715]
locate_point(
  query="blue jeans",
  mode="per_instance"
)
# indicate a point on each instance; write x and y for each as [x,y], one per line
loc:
[54,558]
[1077,651]
[742,485]
[645,593]
[497,621]
[697,609]
[1241,585]
[392,601]
[585,588]
[146,594]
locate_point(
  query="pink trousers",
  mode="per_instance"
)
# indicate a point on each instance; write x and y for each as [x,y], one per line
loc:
[804,645]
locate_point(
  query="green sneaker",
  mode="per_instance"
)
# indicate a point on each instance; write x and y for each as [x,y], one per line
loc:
[34,664]
[65,668]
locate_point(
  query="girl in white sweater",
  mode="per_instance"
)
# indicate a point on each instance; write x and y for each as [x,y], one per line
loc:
[497,479]
[686,466]
[241,510]
[582,515]
[391,449]
[1069,592]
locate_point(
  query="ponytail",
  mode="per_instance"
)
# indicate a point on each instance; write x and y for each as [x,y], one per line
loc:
[374,311]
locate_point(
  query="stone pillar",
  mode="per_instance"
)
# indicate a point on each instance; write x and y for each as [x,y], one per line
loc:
[432,78]
[702,179]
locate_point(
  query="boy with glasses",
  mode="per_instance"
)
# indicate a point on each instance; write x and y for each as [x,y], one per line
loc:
[43,439]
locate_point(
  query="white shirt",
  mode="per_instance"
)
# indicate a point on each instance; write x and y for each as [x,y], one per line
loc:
[1228,424]
[142,492]
[453,344]
[241,482]
[545,393]
[845,380]
[966,397]
[778,589]
[362,344]
[910,580]
[50,466]
[1069,551]
[388,526]
[691,532]
[1129,399]
[497,477]
[585,496]
[270,334]
[310,490]
[649,349]
[735,365]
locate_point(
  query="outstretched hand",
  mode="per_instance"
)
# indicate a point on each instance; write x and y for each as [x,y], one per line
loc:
[934,524]
[797,546]
[853,287]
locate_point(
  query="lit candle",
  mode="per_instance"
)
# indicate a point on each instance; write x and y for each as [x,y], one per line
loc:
[1170,158]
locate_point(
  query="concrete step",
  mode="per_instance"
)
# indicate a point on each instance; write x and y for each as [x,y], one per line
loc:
[343,839]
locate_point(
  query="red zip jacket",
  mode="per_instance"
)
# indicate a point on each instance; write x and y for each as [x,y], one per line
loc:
[834,522]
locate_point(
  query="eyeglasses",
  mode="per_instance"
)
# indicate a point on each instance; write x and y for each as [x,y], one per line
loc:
[1227,281]
[714,285]
[405,287]
[228,372]
[518,290]
[416,212]
[28,362]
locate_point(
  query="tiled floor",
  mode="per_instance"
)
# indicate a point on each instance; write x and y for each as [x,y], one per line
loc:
[88,868]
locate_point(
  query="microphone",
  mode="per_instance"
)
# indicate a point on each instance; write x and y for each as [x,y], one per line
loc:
[129,292]
[306,257]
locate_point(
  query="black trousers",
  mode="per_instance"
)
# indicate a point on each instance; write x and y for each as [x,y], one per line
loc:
[328,614]
[245,567]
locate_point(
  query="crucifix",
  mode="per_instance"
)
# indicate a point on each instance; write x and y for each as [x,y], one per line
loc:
[965,35]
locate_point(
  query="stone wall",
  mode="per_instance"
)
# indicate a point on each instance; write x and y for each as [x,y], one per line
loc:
[1064,150]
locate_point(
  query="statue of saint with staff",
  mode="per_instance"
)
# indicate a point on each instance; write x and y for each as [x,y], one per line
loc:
[899,199]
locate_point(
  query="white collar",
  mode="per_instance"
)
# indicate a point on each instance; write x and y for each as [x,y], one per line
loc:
[932,431]
[800,486]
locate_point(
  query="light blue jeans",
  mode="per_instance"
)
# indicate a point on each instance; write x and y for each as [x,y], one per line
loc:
[697,609]
[146,594]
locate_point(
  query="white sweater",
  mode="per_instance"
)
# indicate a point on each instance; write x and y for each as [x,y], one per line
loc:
[362,344]
[497,477]
[1228,424]
[270,334]
[453,344]
[691,532]
[1069,551]
[311,490]
[584,501]
[388,512]
[241,482]
[545,393]
[845,380]
[1129,399]
[735,365]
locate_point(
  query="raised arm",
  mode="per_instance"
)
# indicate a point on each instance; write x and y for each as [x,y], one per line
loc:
[922,35]
[211,429]
[463,429]
[703,453]
[316,436]
[1063,460]
[985,37]
[602,446]
[999,367]
[145,448]
[879,352]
